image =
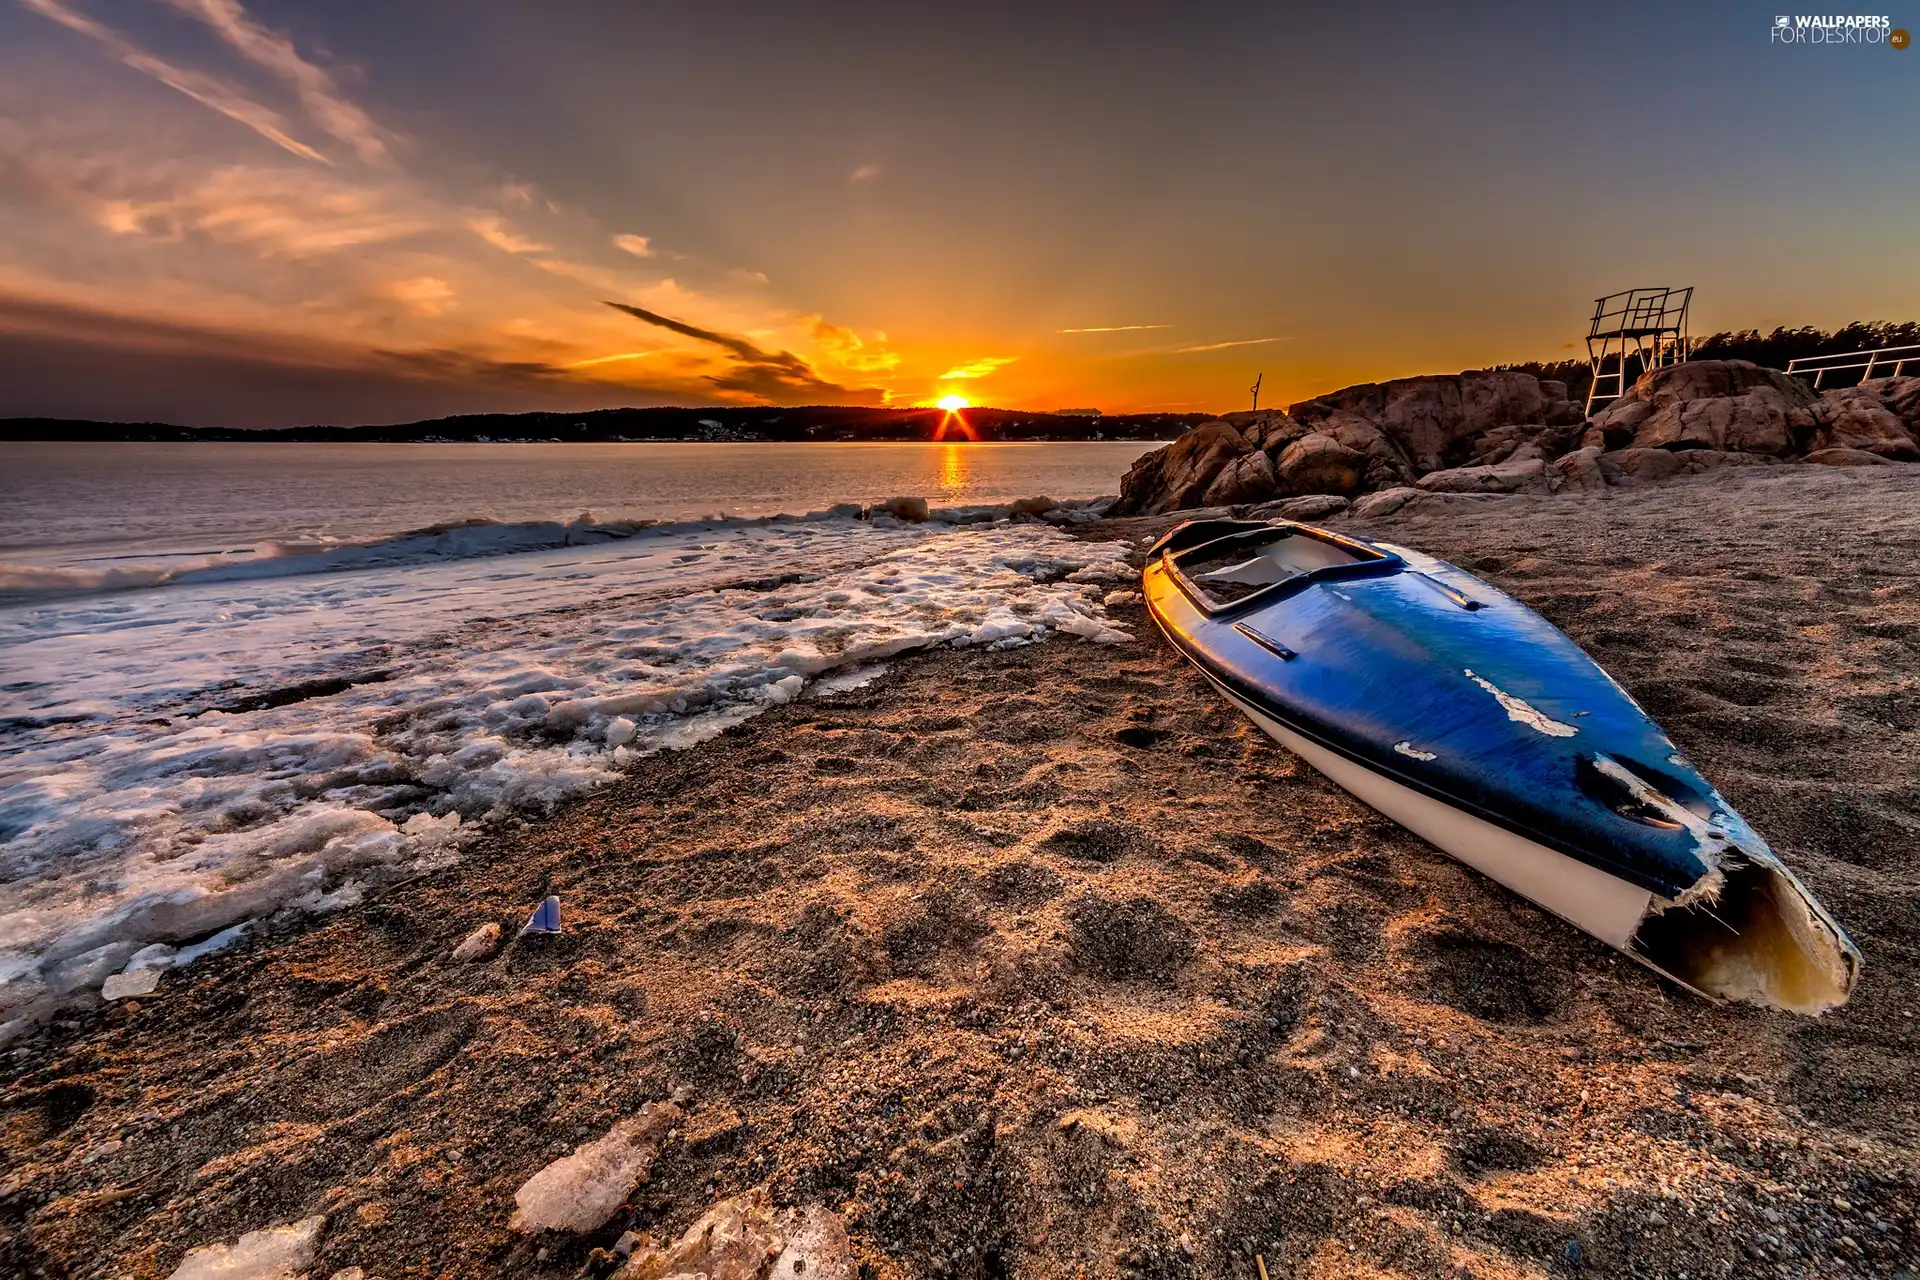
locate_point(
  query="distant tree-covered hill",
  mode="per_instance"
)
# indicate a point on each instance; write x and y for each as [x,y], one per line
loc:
[743,423]
[1773,350]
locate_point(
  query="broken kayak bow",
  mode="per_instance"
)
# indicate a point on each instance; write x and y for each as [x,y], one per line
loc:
[1466,717]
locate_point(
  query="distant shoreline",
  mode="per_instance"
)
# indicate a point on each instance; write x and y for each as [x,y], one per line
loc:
[824,424]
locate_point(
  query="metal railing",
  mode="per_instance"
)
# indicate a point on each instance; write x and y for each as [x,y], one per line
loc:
[1820,366]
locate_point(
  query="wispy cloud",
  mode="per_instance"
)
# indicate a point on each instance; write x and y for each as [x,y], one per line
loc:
[779,376]
[1115,328]
[978,368]
[280,213]
[616,358]
[1221,346]
[311,84]
[866,173]
[423,295]
[849,349]
[494,231]
[217,236]
[209,92]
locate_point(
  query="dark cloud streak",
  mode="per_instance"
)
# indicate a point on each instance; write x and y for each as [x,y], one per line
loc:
[777,376]
[60,361]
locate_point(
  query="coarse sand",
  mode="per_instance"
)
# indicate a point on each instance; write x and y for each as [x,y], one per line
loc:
[1044,962]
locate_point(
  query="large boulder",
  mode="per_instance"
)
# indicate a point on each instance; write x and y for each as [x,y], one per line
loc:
[1634,467]
[1529,475]
[1843,457]
[1859,418]
[1314,506]
[1387,463]
[1726,405]
[1319,463]
[1179,475]
[1385,502]
[1757,421]
[1247,478]
[1580,470]
[1902,396]
[1520,442]
[1429,418]
[1267,429]
[1697,461]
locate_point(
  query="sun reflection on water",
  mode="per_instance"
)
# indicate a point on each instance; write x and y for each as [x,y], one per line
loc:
[954,473]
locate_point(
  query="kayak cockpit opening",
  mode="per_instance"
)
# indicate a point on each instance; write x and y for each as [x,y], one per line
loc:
[1228,570]
[1753,935]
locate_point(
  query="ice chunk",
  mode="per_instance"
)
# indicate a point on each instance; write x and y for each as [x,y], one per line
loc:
[218,942]
[272,1253]
[135,982]
[505,685]
[581,1191]
[430,834]
[157,956]
[848,679]
[89,969]
[785,690]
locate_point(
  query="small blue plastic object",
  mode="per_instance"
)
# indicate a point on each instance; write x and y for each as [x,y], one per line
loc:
[545,918]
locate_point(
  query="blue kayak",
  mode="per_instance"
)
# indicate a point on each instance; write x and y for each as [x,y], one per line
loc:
[1460,713]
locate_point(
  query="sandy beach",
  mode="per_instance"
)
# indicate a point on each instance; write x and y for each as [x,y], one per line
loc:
[1044,962]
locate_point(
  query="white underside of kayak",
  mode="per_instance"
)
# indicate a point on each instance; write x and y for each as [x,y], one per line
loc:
[1605,906]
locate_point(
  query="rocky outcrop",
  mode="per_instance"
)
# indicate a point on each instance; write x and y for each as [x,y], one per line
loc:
[1247,478]
[1902,396]
[1859,418]
[1177,477]
[1728,405]
[1434,421]
[1317,463]
[1580,470]
[1474,434]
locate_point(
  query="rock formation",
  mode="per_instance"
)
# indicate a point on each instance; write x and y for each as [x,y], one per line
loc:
[1504,432]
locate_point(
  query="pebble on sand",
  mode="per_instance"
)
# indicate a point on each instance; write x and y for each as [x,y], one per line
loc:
[738,1237]
[479,944]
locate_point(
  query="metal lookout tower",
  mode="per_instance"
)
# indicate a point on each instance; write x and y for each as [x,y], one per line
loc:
[1644,325]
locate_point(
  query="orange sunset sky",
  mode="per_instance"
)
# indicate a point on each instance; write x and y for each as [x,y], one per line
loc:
[254,213]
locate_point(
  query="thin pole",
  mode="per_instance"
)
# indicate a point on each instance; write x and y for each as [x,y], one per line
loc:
[1256,390]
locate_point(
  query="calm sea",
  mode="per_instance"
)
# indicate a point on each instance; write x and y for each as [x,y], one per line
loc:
[84,504]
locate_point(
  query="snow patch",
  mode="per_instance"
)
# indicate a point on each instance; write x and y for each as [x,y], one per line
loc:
[184,760]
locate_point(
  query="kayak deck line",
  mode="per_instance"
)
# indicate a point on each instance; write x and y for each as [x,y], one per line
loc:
[1385,689]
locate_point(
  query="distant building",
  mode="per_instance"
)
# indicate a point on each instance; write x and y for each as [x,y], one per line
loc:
[1076,413]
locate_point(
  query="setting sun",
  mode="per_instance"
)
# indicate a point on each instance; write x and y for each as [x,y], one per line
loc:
[952,404]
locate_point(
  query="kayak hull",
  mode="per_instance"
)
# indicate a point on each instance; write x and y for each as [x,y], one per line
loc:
[1456,711]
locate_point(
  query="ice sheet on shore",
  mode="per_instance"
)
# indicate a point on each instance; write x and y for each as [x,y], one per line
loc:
[135,810]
